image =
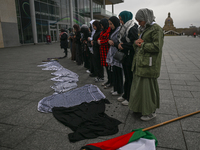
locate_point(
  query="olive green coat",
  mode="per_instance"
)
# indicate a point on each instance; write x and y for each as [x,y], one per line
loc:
[147,60]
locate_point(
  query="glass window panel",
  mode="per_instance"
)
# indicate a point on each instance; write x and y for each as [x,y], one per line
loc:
[44,16]
[44,30]
[51,10]
[37,16]
[17,7]
[81,6]
[57,2]
[74,3]
[63,4]
[52,18]
[68,4]
[37,6]
[54,2]
[28,35]
[57,11]
[44,1]
[44,7]
[63,12]
[39,31]
[37,10]
[87,4]
[20,30]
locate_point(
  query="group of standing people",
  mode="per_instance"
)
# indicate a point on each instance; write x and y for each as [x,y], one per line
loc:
[96,46]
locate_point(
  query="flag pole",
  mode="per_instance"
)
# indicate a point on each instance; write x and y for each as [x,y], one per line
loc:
[169,121]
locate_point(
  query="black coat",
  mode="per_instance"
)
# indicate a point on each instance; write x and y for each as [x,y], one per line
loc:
[128,46]
[78,37]
[87,120]
[63,41]
[95,43]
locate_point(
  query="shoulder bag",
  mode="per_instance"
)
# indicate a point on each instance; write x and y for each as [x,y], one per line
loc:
[119,56]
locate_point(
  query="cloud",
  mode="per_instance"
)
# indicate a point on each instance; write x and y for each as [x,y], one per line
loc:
[183,12]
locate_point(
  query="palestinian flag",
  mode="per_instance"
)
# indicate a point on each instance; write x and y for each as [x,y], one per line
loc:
[137,139]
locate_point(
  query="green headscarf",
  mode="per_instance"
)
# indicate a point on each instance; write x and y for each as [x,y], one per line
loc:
[126,16]
[70,29]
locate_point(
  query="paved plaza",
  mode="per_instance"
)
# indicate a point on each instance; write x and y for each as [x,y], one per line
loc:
[23,85]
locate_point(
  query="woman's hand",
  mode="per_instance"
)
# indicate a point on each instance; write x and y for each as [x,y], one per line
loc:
[139,42]
[92,43]
[88,38]
[111,42]
[120,46]
[99,42]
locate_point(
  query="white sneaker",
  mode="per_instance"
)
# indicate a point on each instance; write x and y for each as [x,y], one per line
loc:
[105,83]
[120,99]
[88,71]
[148,117]
[99,79]
[107,86]
[111,91]
[115,93]
[125,103]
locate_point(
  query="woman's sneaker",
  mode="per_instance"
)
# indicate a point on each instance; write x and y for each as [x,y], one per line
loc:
[148,117]
[125,103]
[105,83]
[99,79]
[88,71]
[120,99]
[115,93]
[111,91]
[107,86]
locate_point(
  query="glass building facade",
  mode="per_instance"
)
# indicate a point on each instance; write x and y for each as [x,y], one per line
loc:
[52,15]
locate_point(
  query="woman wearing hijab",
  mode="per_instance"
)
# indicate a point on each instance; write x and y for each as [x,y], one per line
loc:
[127,35]
[63,41]
[72,44]
[115,65]
[92,73]
[86,57]
[77,38]
[98,69]
[145,96]
[104,46]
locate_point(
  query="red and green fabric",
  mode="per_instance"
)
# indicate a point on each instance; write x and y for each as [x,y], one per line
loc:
[118,142]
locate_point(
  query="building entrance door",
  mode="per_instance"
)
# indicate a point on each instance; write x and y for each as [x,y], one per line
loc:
[54,29]
[53,33]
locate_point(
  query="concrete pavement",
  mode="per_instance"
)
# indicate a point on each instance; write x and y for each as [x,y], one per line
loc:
[23,85]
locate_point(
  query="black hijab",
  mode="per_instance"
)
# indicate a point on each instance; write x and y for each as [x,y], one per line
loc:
[97,24]
[115,22]
[104,23]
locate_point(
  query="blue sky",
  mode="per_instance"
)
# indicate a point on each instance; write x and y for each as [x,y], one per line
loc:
[183,12]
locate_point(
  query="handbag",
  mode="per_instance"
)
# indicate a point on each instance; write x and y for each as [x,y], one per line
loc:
[119,56]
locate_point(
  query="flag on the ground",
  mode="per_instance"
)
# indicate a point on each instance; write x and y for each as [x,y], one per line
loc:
[137,139]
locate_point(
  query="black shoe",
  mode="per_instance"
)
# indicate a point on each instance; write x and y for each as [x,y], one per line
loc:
[92,75]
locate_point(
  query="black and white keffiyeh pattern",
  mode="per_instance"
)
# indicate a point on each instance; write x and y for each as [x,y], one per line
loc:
[125,29]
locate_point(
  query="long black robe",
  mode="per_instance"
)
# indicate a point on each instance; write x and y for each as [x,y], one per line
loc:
[87,120]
